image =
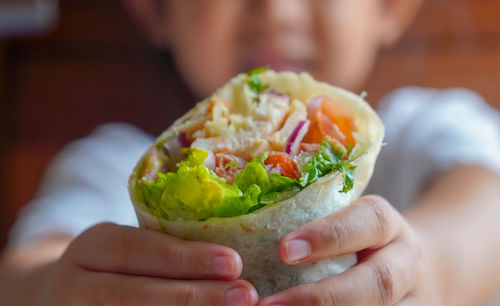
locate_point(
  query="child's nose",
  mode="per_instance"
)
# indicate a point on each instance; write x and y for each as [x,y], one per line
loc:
[278,14]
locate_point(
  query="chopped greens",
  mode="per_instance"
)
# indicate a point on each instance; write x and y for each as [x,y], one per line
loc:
[347,171]
[255,207]
[254,82]
[257,71]
[327,159]
[232,164]
[195,192]
[177,182]
[255,173]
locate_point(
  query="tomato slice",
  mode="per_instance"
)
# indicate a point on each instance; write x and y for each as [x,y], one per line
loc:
[285,162]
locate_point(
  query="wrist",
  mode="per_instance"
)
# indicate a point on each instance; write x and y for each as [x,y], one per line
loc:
[24,270]
[433,268]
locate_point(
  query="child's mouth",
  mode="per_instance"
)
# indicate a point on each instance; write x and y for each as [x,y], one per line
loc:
[275,60]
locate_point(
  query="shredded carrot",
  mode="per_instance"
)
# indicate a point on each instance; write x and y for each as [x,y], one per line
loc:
[331,119]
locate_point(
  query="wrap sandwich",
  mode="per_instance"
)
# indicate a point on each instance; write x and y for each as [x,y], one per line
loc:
[265,154]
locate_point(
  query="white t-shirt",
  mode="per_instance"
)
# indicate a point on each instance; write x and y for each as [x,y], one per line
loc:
[427,131]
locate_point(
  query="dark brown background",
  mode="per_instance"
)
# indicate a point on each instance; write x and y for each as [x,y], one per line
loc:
[95,67]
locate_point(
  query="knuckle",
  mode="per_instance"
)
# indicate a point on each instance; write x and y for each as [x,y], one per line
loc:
[122,250]
[102,233]
[103,226]
[91,234]
[317,300]
[98,230]
[386,283]
[329,235]
[180,255]
[323,298]
[382,212]
[337,236]
[186,296]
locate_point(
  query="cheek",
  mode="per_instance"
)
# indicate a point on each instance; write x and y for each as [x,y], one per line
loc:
[205,48]
[348,40]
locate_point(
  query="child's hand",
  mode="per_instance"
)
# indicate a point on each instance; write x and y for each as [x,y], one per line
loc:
[117,265]
[392,270]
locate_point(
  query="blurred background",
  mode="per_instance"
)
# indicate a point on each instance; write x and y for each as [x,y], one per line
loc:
[68,66]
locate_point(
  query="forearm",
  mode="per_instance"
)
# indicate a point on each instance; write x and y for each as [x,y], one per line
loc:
[24,268]
[457,220]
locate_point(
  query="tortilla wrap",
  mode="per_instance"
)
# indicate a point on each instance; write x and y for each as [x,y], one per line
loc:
[256,235]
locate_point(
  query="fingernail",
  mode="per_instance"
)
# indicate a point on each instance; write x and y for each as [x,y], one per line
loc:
[297,249]
[272,302]
[237,297]
[222,266]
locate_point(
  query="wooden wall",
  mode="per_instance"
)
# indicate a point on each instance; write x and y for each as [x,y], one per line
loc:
[96,68]
[452,43]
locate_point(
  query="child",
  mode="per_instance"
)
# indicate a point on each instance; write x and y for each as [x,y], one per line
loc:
[439,169]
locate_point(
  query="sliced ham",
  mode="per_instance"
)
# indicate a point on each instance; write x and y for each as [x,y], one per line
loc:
[224,168]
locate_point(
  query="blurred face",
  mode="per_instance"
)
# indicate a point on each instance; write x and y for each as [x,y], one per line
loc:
[213,40]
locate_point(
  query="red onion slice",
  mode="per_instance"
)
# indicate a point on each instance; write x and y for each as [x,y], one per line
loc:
[173,146]
[271,169]
[225,158]
[276,96]
[293,143]
[182,138]
[276,170]
[210,161]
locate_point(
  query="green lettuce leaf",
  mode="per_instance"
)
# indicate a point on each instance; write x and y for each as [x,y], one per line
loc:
[327,159]
[151,192]
[257,71]
[237,206]
[274,187]
[253,173]
[195,192]
[347,171]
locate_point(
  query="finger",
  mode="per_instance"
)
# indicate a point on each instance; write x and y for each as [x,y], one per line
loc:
[369,222]
[409,300]
[384,279]
[114,289]
[111,248]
